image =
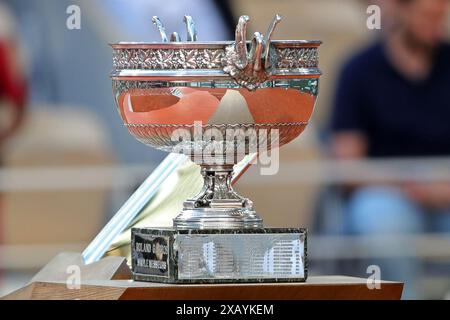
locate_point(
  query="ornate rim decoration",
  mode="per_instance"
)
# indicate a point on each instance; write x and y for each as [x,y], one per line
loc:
[249,63]
[287,58]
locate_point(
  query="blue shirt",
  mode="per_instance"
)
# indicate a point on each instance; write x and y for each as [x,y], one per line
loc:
[398,117]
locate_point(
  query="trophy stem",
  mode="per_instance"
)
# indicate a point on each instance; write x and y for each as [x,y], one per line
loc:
[217,206]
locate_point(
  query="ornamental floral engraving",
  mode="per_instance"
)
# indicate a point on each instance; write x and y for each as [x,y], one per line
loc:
[172,59]
[167,59]
[209,59]
[296,58]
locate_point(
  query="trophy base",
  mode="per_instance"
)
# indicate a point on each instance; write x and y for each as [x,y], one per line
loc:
[171,255]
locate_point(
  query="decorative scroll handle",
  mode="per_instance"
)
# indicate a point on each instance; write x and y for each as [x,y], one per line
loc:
[191,31]
[249,69]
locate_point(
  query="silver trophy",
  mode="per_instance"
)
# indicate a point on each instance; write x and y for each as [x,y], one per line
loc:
[217,102]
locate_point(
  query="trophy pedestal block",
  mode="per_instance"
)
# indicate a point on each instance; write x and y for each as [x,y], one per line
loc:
[170,255]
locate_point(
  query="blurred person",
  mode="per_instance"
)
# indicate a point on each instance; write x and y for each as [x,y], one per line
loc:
[12,83]
[12,86]
[393,100]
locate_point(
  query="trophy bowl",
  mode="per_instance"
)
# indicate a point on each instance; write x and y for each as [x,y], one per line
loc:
[217,102]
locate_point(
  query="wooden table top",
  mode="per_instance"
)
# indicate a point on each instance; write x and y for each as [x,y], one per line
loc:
[316,288]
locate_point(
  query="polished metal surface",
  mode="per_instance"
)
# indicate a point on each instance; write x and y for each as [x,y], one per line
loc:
[191,97]
[241,42]
[268,40]
[175,37]
[190,28]
[246,68]
[162,31]
[226,256]
[217,204]
[288,57]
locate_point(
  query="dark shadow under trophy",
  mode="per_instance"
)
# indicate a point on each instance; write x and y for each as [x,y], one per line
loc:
[217,102]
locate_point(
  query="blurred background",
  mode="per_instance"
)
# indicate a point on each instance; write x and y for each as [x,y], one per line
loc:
[370,177]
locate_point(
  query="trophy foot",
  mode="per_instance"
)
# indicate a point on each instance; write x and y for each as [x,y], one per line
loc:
[217,219]
[217,206]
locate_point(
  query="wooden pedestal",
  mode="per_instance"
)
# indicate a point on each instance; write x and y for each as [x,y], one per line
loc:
[105,280]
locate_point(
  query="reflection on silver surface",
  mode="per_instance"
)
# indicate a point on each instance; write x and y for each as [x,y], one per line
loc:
[154,110]
[162,31]
[190,28]
[268,39]
[175,37]
[241,256]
